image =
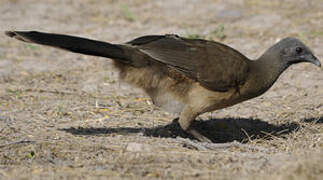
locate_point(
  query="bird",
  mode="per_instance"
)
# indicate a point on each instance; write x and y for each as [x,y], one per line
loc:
[183,75]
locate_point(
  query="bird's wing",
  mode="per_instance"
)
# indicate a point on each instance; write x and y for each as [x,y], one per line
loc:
[214,65]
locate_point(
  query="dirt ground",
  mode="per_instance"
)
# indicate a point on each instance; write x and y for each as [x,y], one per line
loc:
[66,116]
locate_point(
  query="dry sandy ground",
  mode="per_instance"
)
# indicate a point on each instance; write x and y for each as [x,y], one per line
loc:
[66,116]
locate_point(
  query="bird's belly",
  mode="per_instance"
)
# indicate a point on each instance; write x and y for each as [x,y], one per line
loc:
[207,100]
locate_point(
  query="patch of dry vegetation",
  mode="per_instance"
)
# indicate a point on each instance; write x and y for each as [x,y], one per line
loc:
[66,116]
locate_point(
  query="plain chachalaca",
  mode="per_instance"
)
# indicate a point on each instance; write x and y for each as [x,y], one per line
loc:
[190,76]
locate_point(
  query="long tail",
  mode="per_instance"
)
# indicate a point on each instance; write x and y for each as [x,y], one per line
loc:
[72,43]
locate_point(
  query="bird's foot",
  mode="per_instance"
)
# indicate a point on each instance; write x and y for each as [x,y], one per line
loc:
[204,146]
[199,136]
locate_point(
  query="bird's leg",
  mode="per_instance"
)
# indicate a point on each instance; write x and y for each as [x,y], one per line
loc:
[185,121]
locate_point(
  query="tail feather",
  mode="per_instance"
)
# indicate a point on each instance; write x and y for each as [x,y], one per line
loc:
[72,43]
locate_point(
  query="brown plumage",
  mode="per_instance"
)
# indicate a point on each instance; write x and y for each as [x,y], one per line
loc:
[188,76]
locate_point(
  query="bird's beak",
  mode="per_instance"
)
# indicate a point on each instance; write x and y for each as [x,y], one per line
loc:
[311,59]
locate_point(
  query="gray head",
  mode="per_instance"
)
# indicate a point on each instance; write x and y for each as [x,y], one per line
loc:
[293,51]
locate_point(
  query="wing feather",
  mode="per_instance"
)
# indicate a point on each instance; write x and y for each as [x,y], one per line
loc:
[214,65]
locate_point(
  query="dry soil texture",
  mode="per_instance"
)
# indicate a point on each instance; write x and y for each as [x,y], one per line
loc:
[66,116]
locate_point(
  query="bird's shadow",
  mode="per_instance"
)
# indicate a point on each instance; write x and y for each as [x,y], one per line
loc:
[217,130]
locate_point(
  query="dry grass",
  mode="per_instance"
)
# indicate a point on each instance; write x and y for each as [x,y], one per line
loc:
[66,116]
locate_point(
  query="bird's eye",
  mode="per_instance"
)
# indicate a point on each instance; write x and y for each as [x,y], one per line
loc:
[299,50]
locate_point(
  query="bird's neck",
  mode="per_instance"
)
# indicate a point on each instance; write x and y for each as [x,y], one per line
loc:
[265,71]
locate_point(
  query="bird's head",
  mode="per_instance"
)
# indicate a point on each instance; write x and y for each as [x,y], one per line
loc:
[293,51]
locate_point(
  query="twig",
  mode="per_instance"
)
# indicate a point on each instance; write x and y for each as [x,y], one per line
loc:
[245,132]
[17,142]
